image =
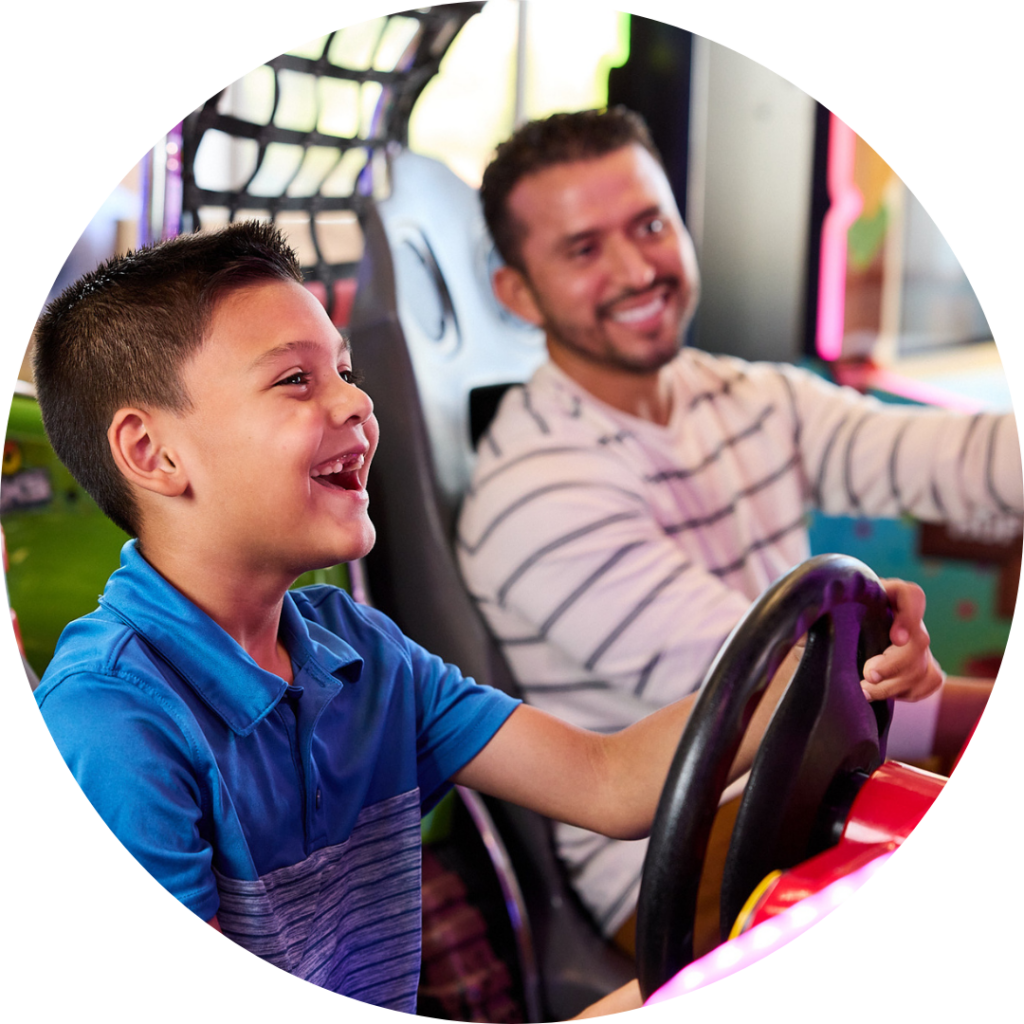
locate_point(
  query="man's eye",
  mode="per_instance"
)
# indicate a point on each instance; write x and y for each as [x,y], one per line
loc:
[655,226]
[353,377]
[299,377]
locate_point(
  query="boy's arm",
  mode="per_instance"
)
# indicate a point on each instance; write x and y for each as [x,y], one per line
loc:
[611,783]
[606,783]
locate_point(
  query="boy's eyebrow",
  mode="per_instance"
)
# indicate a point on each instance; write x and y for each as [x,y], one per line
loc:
[294,346]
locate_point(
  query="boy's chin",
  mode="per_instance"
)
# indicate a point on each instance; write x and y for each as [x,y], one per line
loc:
[354,547]
[368,539]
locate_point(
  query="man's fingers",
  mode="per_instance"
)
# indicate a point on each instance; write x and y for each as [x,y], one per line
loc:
[899,634]
[914,684]
[907,599]
[908,604]
[899,689]
[896,661]
[906,670]
[876,691]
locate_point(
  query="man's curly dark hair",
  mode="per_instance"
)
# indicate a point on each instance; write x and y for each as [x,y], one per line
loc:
[558,139]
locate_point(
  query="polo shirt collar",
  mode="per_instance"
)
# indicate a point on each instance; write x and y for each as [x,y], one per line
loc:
[200,651]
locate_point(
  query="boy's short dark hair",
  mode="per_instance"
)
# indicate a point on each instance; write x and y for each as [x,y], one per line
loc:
[120,336]
[558,139]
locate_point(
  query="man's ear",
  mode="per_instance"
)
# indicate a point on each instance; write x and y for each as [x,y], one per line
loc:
[515,294]
[134,440]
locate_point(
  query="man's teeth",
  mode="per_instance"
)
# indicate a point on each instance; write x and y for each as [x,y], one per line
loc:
[338,466]
[638,313]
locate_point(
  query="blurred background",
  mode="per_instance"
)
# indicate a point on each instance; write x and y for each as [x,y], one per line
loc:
[811,249]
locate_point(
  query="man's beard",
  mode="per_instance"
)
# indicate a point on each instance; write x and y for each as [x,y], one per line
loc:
[602,353]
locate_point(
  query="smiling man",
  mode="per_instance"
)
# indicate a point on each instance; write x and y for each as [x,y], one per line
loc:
[619,275]
[634,497]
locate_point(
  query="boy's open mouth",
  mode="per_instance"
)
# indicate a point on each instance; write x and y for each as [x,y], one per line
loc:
[341,471]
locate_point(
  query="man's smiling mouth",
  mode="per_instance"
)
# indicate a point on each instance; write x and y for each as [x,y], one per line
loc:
[637,308]
[638,313]
[342,471]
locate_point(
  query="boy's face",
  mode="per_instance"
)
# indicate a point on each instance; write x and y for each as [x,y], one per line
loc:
[278,442]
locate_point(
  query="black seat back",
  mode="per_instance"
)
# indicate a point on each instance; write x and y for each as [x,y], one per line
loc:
[426,332]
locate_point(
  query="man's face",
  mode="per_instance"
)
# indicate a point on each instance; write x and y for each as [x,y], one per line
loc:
[610,272]
[279,440]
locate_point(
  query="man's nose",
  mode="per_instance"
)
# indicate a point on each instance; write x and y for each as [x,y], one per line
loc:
[628,264]
[349,404]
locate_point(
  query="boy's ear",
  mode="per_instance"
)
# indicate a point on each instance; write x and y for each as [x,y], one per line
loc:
[143,460]
[515,294]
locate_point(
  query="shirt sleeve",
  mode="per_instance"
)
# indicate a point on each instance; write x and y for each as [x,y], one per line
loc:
[131,760]
[866,457]
[455,717]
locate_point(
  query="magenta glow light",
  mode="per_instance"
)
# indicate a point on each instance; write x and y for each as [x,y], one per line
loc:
[846,204]
[765,937]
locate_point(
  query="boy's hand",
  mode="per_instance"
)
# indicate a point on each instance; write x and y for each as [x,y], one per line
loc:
[906,670]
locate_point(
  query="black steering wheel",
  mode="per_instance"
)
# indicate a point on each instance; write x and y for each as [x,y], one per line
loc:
[824,739]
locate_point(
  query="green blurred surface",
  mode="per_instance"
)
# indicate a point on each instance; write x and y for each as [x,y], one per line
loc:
[62,551]
[436,824]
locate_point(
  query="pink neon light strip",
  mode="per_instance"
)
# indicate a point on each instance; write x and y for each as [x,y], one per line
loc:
[846,204]
[765,938]
[919,391]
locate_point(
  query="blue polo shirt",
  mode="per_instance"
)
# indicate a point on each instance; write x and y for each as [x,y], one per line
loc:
[290,812]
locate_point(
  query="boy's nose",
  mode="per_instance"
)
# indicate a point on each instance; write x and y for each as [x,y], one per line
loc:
[349,404]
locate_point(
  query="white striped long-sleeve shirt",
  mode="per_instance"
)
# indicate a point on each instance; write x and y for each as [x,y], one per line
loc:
[612,556]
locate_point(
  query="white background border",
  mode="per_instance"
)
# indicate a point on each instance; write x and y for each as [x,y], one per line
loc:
[936,89]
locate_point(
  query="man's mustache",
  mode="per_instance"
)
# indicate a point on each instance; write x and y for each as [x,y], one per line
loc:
[669,282]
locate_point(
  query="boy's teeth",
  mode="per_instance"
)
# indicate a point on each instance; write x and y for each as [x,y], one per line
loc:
[338,466]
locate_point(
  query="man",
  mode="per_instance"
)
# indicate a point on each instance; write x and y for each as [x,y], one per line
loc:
[634,497]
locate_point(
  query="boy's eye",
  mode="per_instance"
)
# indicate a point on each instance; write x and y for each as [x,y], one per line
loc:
[298,377]
[353,377]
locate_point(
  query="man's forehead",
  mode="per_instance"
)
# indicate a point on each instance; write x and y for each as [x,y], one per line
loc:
[563,197]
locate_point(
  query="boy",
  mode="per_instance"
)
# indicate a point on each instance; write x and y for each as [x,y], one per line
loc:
[267,754]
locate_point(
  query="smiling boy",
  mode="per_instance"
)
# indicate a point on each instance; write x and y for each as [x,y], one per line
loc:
[266,754]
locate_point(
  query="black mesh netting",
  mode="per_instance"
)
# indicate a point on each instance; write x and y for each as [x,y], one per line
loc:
[302,139]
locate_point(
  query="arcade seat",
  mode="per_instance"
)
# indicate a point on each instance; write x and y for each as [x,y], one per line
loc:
[431,341]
